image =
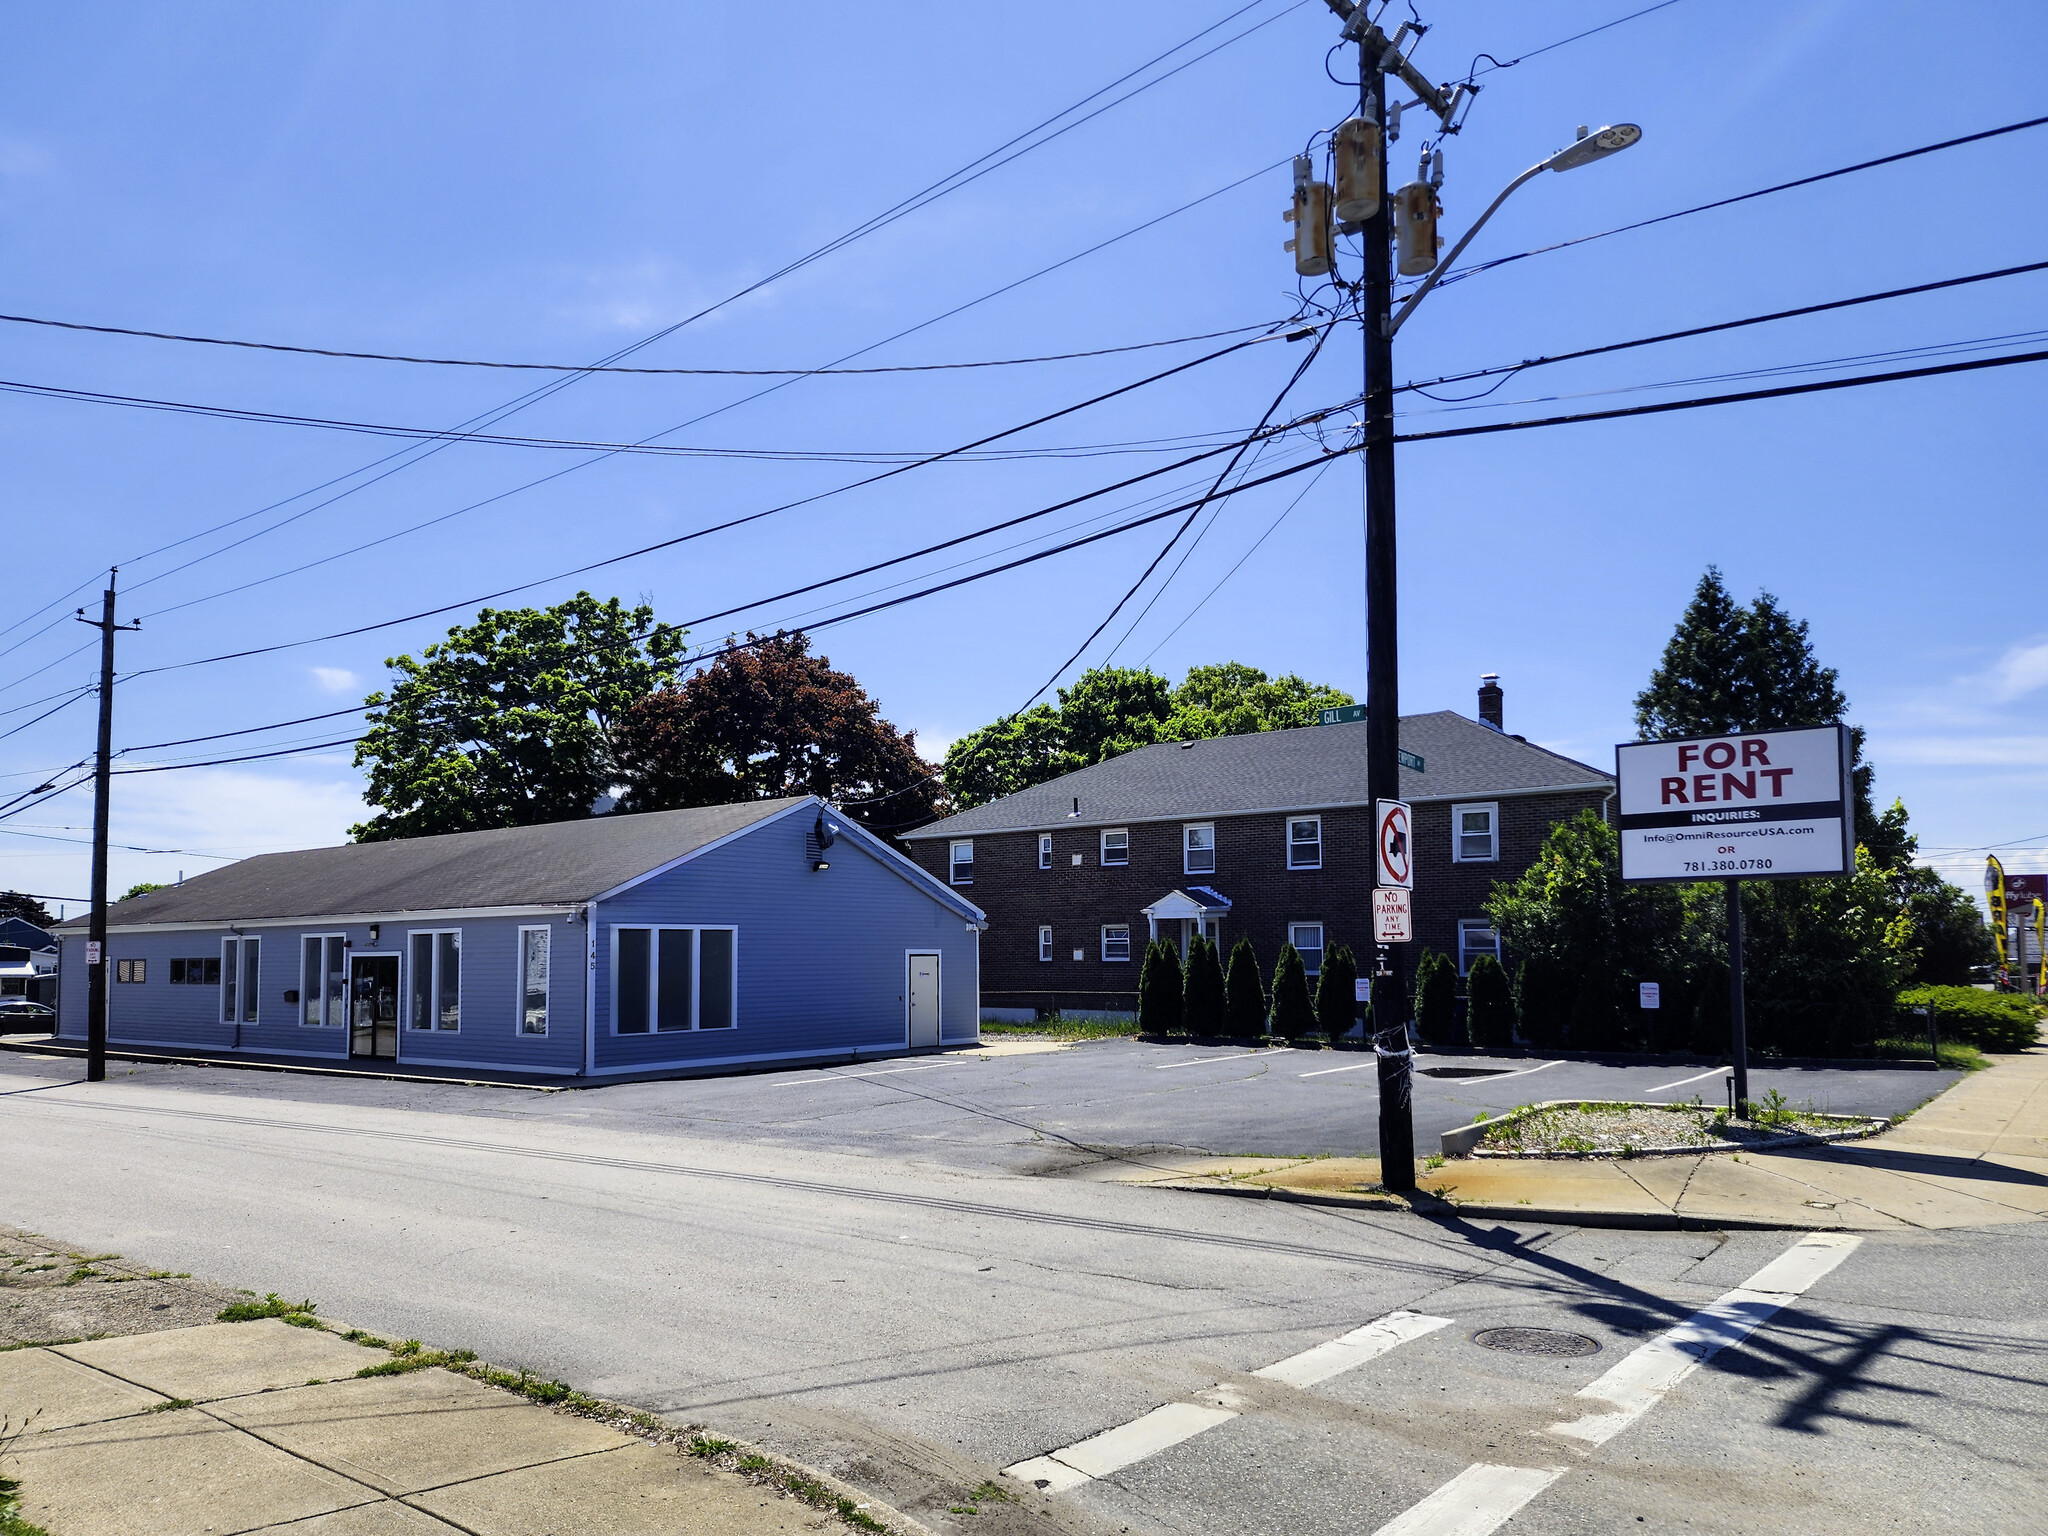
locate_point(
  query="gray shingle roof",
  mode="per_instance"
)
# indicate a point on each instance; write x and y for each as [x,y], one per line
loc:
[563,861]
[1304,769]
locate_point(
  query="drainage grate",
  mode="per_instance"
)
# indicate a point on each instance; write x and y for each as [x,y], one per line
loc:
[1535,1341]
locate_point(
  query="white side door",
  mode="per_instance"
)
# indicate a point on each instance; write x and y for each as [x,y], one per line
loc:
[924,1000]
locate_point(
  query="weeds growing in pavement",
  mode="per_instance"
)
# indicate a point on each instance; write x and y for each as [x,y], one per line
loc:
[169,1404]
[297,1313]
[11,1523]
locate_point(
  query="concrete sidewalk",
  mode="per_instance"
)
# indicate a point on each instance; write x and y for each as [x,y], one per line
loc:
[1976,1156]
[262,1427]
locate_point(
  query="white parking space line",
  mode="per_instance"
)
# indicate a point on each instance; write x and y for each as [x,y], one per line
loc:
[1638,1383]
[1474,1502]
[1545,1067]
[840,1077]
[1710,1072]
[1114,1449]
[1205,1061]
[1482,1497]
[1355,1348]
[1326,1071]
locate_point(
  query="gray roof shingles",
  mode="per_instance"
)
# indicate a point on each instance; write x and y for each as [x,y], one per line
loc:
[561,862]
[1276,770]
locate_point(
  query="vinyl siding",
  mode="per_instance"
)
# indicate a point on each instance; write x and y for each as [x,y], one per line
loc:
[821,954]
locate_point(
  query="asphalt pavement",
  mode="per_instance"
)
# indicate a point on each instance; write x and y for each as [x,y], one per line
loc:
[871,1276]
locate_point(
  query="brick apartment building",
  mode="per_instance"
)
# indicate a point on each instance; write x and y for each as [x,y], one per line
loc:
[1266,836]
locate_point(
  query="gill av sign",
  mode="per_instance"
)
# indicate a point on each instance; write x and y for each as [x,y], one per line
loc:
[1763,805]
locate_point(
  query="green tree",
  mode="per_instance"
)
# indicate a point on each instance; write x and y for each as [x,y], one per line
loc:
[1244,992]
[1111,710]
[1489,1004]
[1293,1014]
[1202,1000]
[1950,936]
[27,908]
[1436,998]
[1159,990]
[1337,993]
[141,888]
[769,721]
[509,721]
[1728,669]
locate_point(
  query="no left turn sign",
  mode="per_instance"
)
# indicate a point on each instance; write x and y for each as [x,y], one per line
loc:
[1394,845]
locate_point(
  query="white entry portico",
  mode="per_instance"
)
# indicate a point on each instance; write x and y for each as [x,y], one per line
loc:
[1180,915]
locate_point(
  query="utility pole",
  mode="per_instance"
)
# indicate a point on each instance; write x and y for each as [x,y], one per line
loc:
[102,796]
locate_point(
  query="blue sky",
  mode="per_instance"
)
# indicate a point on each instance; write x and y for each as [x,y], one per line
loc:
[531,182]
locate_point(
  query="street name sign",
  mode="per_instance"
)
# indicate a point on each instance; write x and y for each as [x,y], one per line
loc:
[1394,844]
[1762,805]
[1352,714]
[1393,919]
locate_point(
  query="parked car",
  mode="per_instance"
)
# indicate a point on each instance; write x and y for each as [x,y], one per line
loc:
[22,1013]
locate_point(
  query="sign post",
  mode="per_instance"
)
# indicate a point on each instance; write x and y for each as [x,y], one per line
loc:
[1762,805]
[1393,923]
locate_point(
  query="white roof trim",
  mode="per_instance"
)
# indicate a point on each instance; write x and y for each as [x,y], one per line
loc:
[1605,786]
[328,920]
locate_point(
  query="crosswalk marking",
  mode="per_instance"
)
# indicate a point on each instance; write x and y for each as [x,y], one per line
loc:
[1474,1502]
[1316,1365]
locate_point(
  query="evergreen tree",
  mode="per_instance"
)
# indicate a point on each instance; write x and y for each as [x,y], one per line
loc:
[1293,1014]
[1539,1008]
[27,908]
[1244,1000]
[1729,669]
[1436,998]
[1159,990]
[1337,993]
[1489,1004]
[1202,1003]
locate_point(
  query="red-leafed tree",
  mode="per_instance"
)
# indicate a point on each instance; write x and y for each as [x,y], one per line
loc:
[771,720]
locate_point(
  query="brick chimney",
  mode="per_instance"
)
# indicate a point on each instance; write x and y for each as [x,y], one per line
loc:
[1490,700]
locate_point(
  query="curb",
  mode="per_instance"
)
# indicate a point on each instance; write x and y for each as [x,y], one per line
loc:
[1431,1208]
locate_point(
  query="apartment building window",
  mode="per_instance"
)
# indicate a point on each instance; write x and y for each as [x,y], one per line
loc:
[1476,937]
[1198,843]
[1475,834]
[963,863]
[1045,850]
[1305,842]
[1307,939]
[1116,941]
[1045,943]
[239,968]
[1116,847]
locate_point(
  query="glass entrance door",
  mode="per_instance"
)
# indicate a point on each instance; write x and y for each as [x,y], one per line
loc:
[373,1006]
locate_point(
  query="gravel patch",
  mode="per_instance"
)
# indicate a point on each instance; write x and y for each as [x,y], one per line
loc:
[1630,1130]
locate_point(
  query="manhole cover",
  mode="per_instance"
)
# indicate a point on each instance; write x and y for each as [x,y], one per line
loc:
[1535,1341]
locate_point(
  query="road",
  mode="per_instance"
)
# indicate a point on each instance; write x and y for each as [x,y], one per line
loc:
[903,1295]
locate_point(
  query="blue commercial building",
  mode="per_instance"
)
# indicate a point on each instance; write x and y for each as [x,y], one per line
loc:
[716,939]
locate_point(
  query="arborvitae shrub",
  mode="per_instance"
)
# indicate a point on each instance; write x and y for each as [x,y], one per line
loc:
[1293,1014]
[1489,1004]
[1244,1006]
[1337,993]
[1538,1007]
[1436,998]
[1159,987]
[1201,1009]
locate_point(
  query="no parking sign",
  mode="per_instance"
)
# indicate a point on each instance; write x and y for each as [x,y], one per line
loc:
[1394,846]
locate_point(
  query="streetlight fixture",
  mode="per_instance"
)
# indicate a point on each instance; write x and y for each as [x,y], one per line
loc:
[1583,150]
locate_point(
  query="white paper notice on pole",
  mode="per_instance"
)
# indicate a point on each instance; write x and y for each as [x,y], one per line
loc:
[1395,845]
[1766,805]
[1392,919]
[92,952]
[1649,994]
[1361,989]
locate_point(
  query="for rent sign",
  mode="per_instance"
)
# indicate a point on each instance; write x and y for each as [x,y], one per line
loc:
[1761,806]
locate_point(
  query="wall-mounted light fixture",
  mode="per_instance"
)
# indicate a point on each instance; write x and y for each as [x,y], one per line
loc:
[376,932]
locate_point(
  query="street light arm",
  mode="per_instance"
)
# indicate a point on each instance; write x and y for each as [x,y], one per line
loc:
[1429,282]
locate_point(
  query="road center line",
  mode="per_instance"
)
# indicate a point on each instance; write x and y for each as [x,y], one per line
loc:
[1483,1497]
[1205,1061]
[1710,1072]
[840,1077]
[1355,1348]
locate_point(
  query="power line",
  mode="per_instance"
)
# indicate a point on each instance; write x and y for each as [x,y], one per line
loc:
[247,757]
[39,719]
[1475,72]
[276,725]
[596,368]
[1743,197]
[49,837]
[1724,325]
[946,184]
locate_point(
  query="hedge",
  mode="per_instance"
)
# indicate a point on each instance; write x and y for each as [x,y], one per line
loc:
[1991,1021]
